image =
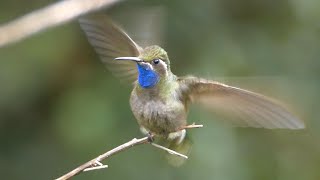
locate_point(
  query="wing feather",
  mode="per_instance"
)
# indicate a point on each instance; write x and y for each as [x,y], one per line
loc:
[242,107]
[109,42]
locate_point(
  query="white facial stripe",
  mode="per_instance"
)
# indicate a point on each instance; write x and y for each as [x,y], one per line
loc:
[164,64]
[149,65]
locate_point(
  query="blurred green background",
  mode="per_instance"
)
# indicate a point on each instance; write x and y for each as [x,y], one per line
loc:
[60,107]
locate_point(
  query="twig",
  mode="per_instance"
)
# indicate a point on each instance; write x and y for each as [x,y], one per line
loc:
[50,16]
[95,168]
[191,126]
[95,163]
[169,150]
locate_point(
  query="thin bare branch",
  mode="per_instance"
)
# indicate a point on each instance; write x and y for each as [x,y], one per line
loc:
[95,168]
[96,164]
[93,162]
[50,16]
[169,150]
[191,126]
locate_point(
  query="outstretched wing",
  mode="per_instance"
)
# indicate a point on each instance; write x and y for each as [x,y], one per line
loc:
[109,41]
[244,108]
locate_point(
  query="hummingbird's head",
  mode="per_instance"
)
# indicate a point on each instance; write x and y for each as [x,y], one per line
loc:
[157,58]
[153,65]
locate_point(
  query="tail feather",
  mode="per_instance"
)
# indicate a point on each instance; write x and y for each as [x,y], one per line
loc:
[183,147]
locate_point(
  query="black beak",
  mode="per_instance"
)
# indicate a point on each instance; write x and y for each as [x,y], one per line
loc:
[136,59]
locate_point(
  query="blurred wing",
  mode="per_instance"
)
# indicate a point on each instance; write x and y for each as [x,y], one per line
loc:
[109,41]
[150,27]
[244,108]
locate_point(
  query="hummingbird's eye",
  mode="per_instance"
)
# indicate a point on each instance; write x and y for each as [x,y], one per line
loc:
[156,61]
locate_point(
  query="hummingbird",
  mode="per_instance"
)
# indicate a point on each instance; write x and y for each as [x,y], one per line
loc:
[160,100]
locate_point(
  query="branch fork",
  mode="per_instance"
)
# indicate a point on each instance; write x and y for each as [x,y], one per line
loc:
[96,165]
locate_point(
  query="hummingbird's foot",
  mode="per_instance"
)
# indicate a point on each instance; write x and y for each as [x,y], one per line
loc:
[150,137]
[179,136]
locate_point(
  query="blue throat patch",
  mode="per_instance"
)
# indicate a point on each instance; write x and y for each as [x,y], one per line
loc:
[147,77]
